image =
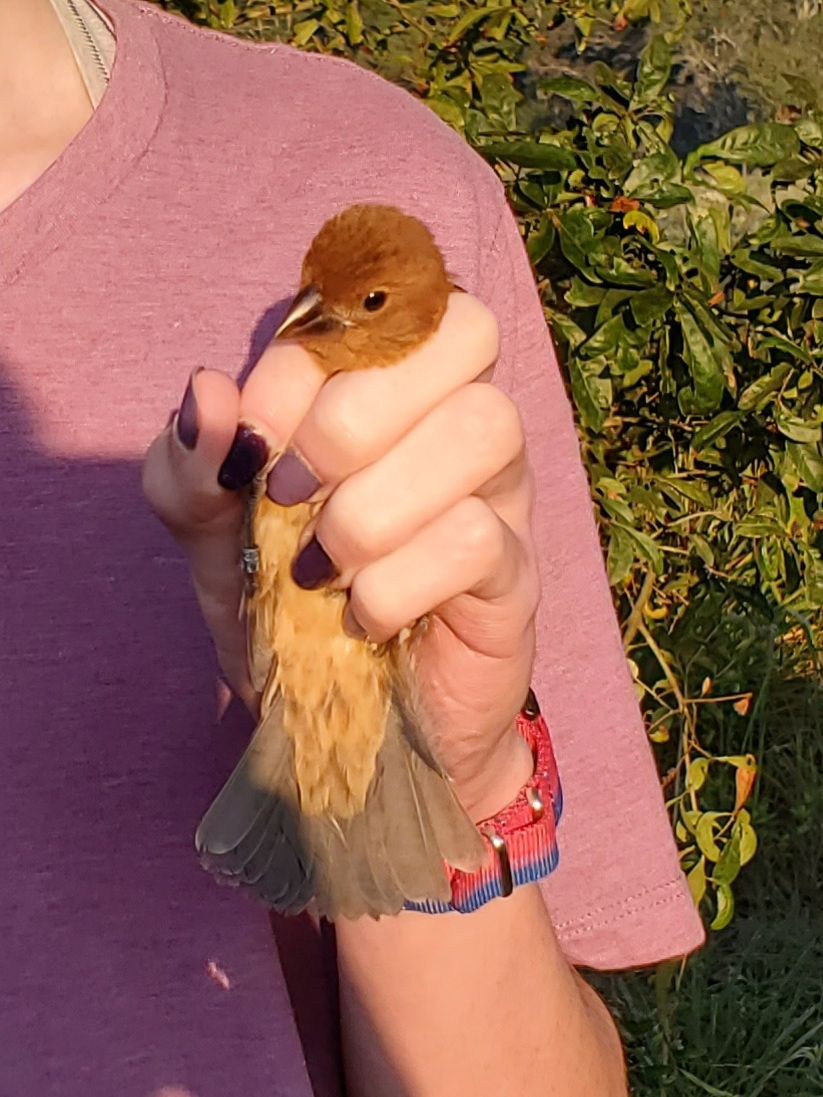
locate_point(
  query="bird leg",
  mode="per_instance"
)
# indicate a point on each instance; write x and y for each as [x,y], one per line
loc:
[250,553]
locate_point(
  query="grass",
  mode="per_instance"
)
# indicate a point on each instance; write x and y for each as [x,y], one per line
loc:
[745,1017]
[744,1020]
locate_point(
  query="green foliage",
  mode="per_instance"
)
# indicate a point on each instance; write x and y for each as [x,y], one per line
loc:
[745,1020]
[686,297]
[687,301]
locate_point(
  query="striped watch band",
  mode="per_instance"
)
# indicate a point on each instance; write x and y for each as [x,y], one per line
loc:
[522,838]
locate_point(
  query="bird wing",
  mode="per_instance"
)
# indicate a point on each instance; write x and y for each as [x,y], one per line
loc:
[252,832]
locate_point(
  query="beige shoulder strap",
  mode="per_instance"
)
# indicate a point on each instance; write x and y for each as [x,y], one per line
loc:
[91,37]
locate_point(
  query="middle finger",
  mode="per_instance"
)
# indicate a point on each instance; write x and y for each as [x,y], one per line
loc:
[471,443]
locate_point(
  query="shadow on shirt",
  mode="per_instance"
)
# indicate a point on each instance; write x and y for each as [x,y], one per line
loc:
[110,750]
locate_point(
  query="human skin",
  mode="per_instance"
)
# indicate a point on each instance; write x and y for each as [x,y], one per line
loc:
[484,1003]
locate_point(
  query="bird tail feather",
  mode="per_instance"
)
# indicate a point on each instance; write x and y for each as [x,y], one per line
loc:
[371,863]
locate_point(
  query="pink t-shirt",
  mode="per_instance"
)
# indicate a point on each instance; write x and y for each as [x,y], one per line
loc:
[167,236]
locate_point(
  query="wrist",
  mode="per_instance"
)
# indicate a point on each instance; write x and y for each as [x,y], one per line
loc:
[506,770]
[521,838]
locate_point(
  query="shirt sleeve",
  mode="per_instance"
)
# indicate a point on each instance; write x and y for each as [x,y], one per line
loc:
[618,898]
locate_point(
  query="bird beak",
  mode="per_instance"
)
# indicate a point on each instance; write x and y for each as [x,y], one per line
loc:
[308,315]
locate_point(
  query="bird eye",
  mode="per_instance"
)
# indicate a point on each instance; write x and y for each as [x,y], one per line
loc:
[375,301]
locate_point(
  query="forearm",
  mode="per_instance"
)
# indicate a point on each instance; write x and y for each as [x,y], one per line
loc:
[485,1003]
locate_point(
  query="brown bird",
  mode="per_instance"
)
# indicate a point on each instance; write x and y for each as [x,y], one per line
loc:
[338,799]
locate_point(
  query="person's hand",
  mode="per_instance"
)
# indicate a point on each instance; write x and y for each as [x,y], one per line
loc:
[427,499]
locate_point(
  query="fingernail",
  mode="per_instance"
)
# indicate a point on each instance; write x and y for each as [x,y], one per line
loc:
[247,456]
[351,626]
[290,481]
[313,566]
[188,427]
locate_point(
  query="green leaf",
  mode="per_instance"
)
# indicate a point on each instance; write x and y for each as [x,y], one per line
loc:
[807,459]
[609,78]
[618,510]
[354,23]
[620,272]
[592,392]
[620,556]
[650,305]
[663,195]
[304,31]
[725,907]
[530,154]
[637,219]
[633,10]
[446,108]
[704,231]
[704,364]
[571,87]
[813,575]
[758,145]
[606,338]
[577,239]
[704,834]
[728,867]
[798,430]
[692,490]
[472,17]
[499,98]
[758,526]
[757,393]
[703,549]
[809,130]
[809,207]
[567,329]
[794,350]
[581,295]
[608,307]
[746,835]
[697,773]
[705,1087]
[632,376]
[228,14]
[618,156]
[726,177]
[748,262]
[661,166]
[696,880]
[811,280]
[795,168]
[540,242]
[653,72]
[803,244]
[645,546]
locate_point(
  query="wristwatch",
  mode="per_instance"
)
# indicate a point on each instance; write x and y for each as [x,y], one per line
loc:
[522,838]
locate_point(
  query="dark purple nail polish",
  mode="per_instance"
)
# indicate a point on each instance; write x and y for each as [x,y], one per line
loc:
[247,456]
[290,481]
[312,567]
[188,427]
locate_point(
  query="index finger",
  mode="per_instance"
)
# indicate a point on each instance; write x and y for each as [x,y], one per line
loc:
[345,423]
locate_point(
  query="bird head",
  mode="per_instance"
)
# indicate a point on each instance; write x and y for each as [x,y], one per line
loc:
[373,287]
